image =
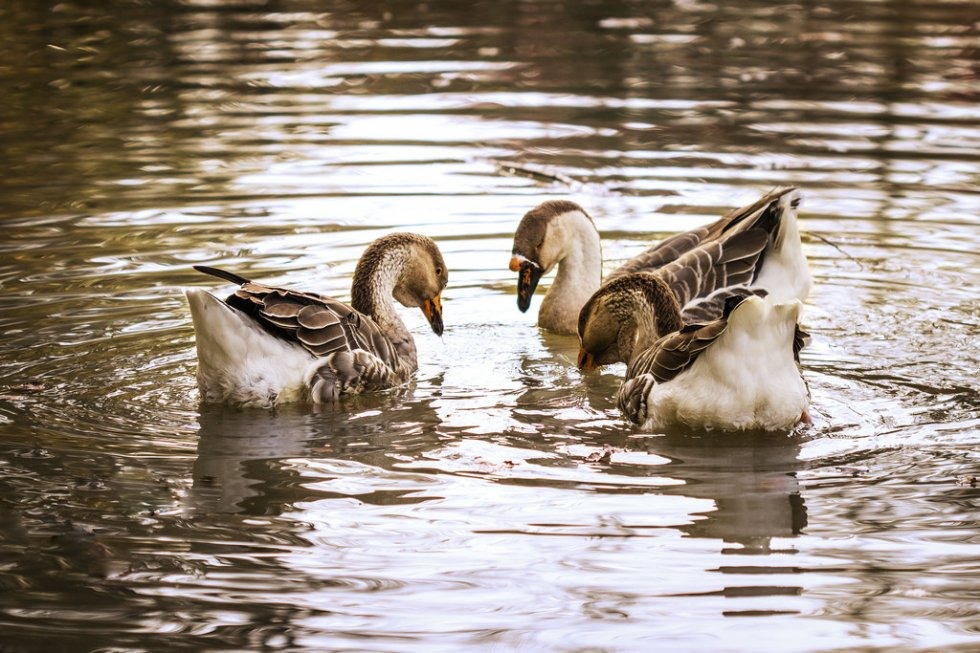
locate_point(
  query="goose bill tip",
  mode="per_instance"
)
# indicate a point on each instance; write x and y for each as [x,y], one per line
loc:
[523,301]
[586,361]
[432,309]
[527,280]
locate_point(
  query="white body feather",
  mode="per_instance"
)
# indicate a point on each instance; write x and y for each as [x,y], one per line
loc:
[785,273]
[239,362]
[747,379]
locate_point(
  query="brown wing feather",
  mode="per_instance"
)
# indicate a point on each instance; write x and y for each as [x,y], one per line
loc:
[712,307]
[715,265]
[321,325]
[670,249]
[346,372]
[662,253]
[675,352]
[800,340]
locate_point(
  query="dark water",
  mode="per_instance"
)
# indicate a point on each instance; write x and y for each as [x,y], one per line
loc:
[467,512]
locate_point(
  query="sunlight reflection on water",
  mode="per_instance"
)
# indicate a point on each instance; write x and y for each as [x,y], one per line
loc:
[499,500]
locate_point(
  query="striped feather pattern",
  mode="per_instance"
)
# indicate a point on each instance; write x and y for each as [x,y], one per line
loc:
[714,265]
[672,248]
[321,325]
[675,352]
[696,263]
[712,307]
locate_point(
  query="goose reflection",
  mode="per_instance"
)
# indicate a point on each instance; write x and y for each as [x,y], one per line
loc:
[238,452]
[247,458]
[750,478]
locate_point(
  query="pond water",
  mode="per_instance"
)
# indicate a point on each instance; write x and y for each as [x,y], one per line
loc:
[499,501]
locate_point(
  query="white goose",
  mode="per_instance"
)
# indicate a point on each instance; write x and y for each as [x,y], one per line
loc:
[738,372]
[263,346]
[696,263]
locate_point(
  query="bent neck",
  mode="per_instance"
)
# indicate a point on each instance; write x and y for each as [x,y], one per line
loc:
[579,273]
[372,286]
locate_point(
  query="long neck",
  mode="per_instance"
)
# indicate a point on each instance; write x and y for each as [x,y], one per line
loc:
[579,272]
[371,294]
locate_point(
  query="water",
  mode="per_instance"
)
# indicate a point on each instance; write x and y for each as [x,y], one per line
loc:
[498,502]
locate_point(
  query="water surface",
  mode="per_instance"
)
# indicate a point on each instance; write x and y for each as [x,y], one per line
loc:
[498,501]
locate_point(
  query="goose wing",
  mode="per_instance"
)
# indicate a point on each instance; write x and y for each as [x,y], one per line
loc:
[321,325]
[674,247]
[677,351]
[715,265]
[712,307]
[801,339]
[662,253]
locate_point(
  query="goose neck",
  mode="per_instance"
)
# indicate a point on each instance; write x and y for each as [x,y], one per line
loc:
[579,271]
[374,281]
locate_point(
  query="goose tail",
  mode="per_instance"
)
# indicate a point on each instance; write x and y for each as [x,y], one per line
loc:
[216,326]
[240,363]
[222,274]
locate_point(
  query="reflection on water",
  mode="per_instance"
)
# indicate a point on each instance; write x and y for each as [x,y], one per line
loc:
[753,486]
[499,501]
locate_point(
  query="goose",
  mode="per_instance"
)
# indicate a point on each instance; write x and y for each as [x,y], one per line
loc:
[737,372]
[559,233]
[263,346]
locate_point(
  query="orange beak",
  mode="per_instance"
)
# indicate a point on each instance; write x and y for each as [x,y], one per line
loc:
[515,264]
[432,309]
[586,361]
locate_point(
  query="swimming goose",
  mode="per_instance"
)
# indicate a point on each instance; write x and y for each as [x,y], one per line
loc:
[737,372]
[560,233]
[697,280]
[263,346]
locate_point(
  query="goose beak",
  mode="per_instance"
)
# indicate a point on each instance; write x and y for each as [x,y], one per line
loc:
[432,309]
[586,361]
[527,280]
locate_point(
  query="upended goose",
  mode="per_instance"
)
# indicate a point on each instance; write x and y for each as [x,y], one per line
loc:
[263,346]
[737,372]
[695,263]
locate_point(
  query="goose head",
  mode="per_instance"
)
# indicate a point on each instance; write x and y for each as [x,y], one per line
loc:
[540,242]
[624,316]
[412,266]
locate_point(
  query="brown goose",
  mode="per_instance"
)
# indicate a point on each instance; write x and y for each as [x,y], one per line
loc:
[607,326]
[263,346]
[737,372]
[560,233]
